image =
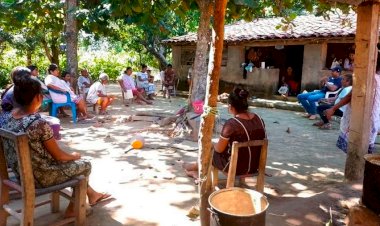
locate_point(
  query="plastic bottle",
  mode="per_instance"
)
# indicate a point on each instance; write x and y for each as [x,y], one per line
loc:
[137,142]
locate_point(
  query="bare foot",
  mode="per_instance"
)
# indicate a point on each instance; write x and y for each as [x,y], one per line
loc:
[97,197]
[193,174]
[192,166]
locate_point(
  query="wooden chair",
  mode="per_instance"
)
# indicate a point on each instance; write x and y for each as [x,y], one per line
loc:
[233,163]
[28,190]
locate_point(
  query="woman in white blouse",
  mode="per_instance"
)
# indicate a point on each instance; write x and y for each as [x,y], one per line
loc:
[53,81]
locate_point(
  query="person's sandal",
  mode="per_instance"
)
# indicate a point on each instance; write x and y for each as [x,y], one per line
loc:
[313,117]
[320,123]
[326,126]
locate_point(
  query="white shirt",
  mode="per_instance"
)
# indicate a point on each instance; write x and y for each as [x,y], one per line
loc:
[347,65]
[56,97]
[144,76]
[43,86]
[342,94]
[128,81]
[92,96]
[82,86]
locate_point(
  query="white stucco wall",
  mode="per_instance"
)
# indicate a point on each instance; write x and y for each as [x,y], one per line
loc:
[313,62]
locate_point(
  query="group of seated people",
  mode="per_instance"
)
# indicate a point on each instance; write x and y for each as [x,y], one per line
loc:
[55,86]
[142,86]
[51,165]
[143,89]
[309,100]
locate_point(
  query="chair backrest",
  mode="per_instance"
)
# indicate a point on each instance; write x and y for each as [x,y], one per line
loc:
[68,96]
[21,146]
[262,162]
[330,94]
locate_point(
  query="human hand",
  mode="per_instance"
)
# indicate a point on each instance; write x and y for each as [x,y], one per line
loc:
[76,155]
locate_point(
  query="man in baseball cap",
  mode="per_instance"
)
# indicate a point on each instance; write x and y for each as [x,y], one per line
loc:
[308,100]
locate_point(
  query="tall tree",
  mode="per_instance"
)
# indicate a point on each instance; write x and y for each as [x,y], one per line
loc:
[71,35]
[35,20]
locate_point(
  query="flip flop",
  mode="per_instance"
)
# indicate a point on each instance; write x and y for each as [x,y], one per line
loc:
[104,197]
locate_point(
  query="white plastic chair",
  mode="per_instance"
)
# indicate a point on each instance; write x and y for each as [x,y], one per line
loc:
[329,94]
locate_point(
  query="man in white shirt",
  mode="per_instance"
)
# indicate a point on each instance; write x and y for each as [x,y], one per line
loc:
[97,94]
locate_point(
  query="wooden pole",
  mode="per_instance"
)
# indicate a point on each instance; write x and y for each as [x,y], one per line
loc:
[362,93]
[208,117]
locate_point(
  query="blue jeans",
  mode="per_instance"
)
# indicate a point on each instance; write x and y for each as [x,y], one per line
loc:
[308,100]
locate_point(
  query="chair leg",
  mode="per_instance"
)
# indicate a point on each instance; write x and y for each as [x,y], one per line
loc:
[215,177]
[4,199]
[50,106]
[74,113]
[80,202]
[27,213]
[54,110]
[54,202]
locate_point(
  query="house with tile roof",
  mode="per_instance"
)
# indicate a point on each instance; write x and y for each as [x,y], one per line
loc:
[309,45]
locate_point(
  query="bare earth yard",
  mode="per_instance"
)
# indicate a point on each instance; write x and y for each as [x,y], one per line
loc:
[150,188]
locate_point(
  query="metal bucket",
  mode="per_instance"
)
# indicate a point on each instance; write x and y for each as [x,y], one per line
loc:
[371,182]
[238,207]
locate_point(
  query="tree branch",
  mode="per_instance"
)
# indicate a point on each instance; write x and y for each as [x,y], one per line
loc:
[47,50]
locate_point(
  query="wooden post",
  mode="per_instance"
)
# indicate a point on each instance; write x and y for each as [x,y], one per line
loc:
[362,93]
[208,117]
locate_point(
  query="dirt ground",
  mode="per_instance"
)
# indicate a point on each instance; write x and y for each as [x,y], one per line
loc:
[149,187]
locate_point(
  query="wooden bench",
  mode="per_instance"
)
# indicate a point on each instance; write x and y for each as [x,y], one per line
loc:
[26,187]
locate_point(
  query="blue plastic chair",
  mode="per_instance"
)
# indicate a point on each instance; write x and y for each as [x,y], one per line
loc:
[55,106]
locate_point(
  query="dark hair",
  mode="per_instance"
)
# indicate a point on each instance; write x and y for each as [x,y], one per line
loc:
[239,100]
[349,78]
[169,65]
[128,68]
[32,67]
[25,90]
[19,71]
[52,67]
[64,73]
[143,66]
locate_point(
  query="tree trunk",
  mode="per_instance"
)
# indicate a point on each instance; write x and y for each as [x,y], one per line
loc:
[208,118]
[71,35]
[199,76]
[28,57]
[47,50]
[367,36]
[159,56]
[55,51]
